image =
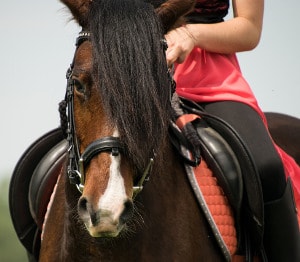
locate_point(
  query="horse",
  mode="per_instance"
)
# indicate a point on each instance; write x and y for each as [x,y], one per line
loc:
[122,193]
[121,102]
[284,130]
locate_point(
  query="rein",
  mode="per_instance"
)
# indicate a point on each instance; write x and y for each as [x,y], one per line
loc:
[78,162]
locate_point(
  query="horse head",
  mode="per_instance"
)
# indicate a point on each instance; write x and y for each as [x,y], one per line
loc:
[118,104]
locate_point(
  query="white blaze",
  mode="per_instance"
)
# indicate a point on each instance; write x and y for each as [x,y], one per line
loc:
[114,197]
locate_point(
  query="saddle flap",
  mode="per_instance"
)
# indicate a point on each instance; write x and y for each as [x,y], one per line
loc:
[23,222]
[223,162]
[43,181]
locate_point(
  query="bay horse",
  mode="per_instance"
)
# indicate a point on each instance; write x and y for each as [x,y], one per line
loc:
[121,101]
[118,102]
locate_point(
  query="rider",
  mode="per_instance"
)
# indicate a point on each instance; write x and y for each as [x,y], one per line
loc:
[207,71]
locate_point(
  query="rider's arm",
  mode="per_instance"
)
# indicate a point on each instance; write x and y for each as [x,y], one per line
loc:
[241,33]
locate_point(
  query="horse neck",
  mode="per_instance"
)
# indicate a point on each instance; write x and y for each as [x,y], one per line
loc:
[170,186]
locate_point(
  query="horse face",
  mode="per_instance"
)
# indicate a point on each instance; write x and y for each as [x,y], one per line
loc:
[106,201]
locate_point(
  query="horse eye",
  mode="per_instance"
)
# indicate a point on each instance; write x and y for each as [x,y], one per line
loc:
[79,87]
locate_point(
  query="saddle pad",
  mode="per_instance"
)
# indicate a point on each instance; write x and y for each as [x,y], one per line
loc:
[215,206]
[218,205]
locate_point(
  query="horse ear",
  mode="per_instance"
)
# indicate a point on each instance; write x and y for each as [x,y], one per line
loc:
[79,10]
[172,12]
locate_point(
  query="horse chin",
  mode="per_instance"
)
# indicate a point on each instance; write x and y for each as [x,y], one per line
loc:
[105,231]
[97,234]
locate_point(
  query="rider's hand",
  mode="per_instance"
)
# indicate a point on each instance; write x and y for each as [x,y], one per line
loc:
[180,44]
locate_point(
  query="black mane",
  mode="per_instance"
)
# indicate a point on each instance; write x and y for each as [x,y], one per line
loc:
[131,73]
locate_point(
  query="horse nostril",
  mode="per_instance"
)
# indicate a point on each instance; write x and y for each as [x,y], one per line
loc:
[82,204]
[95,218]
[127,212]
[85,210]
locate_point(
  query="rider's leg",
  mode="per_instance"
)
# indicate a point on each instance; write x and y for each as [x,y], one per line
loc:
[281,237]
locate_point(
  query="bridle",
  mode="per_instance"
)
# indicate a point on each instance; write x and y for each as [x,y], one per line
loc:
[78,162]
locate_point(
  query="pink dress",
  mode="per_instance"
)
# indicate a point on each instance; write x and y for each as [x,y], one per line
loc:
[200,79]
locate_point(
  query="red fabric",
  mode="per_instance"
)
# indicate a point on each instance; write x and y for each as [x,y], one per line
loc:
[200,79]
[218,205]
[184,119]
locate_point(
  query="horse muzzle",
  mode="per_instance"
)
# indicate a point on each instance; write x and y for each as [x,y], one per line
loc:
[104,222]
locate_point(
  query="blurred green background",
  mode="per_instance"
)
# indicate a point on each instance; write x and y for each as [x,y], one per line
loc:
[11,250]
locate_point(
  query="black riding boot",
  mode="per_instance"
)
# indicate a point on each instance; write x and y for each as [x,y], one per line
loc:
[282,236]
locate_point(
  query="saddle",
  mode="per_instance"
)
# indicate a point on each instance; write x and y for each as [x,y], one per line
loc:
[31,186]
[232,164]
